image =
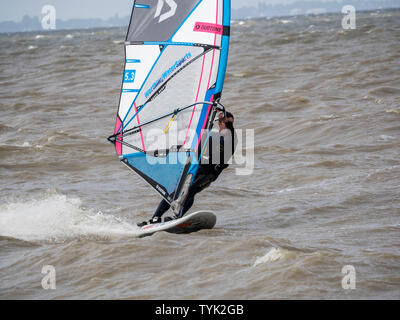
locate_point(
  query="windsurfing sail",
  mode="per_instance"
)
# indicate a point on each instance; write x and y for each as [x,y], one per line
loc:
[176,53]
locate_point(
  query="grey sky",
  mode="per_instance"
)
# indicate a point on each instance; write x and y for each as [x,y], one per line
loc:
[14,10]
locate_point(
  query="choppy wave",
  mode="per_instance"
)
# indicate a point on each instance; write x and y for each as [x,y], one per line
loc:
[273,255]
[55,217]
[323,193]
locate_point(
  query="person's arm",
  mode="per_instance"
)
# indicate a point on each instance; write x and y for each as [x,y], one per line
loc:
[222,163]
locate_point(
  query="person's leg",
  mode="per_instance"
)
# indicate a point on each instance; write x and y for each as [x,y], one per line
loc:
[200,184]
[202,181]
[188,203]
[161,209]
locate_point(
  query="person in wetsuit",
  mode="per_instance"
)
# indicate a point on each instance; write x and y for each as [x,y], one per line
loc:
[207,172]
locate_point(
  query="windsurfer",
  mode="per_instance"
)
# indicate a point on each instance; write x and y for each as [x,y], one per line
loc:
[207,172]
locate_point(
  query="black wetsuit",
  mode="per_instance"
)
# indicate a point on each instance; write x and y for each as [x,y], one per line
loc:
[206,174]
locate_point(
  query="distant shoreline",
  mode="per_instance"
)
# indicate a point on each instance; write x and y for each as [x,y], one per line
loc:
[92,24]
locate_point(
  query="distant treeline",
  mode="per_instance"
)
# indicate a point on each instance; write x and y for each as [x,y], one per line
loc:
[310,7]
[262,10]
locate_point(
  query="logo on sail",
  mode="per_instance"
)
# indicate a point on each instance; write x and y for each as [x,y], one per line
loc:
[208,27]
[172,4]
[168,72]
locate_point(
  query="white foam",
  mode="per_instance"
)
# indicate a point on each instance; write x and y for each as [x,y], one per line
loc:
[385,138]
[393,111]
[273,255]
[328,117]
[26,144]
[56,217]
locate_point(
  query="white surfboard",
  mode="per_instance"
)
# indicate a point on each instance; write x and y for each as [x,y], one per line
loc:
[191,223]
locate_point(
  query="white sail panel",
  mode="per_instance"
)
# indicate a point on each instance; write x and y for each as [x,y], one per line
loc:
[204,25]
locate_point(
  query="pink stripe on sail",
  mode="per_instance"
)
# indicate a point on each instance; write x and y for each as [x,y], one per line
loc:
[118,145]
[141,133]
[215,41]
[204,123]
[197,96]
[208,84]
